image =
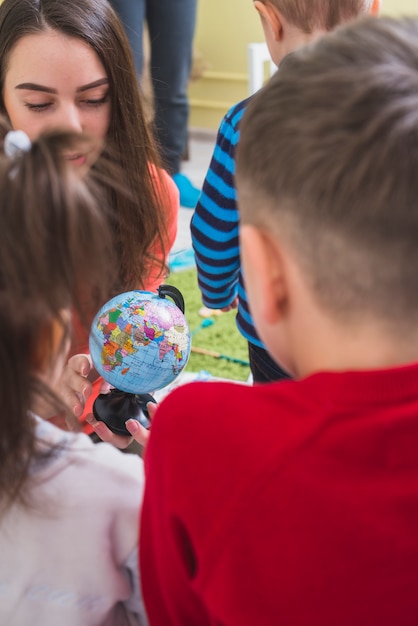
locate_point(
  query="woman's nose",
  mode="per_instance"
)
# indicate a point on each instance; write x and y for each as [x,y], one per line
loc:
[69,118]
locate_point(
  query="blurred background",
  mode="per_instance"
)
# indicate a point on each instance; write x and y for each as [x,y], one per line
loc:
[224,30]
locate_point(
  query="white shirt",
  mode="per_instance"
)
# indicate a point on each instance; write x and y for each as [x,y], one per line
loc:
[72,561]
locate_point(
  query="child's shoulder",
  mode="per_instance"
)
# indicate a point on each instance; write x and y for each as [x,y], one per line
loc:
[206,409]
[76,454]
[223,438]
[235,113]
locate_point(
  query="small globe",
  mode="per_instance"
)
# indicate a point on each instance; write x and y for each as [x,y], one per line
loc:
[139,342]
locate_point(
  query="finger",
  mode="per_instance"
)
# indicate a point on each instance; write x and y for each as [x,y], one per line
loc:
[81,364]
[105,434]
[152,409]
[138,432]
[75,391]
[75,388]
[72,422]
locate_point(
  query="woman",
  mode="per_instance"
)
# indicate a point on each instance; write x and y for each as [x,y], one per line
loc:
[69,65]
[90,42]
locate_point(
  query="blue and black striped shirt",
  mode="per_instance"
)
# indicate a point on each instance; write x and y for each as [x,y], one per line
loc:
[215,229]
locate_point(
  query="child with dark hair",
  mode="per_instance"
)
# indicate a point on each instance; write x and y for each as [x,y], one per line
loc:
[287,25]
[68,508]
[297,502]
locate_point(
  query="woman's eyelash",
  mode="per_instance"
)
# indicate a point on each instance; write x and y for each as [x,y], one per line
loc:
[37,107]
[42,106]
[97,102]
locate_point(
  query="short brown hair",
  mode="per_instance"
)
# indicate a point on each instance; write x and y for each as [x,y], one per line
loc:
[329,154]
[310,15]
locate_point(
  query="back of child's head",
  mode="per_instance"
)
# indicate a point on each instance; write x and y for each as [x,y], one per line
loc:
[54,254]
[328,161]
[311,15]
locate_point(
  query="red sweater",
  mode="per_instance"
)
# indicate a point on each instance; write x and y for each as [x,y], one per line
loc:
[292,504]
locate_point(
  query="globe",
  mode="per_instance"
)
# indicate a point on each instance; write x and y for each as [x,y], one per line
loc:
[140,341]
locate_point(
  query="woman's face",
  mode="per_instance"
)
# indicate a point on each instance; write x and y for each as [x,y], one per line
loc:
[55,81]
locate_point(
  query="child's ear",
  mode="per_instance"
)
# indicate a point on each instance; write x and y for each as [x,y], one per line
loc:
[375,8]
[264,274]
[42,351]
[49,344]
[271,17]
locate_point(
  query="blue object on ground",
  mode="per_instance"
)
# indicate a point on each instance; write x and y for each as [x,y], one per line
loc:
[181,260]
[206,322]
[189,195]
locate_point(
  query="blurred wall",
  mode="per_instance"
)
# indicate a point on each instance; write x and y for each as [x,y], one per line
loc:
[224,29]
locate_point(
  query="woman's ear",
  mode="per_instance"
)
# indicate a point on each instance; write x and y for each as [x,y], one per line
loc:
[264,274]
[271,18]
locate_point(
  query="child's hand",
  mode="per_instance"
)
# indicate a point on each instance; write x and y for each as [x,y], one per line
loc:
[233,305]
[75,388]
[138,432]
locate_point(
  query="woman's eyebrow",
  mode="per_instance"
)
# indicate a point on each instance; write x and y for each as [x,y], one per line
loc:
[36,87]
[96,83]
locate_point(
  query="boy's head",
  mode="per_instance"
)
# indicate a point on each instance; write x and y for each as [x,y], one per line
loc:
[289,23]
[327,176]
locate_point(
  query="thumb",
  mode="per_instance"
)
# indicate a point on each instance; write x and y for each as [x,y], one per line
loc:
[138,432]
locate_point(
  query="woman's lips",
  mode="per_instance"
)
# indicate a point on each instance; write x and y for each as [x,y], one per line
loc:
[77,159]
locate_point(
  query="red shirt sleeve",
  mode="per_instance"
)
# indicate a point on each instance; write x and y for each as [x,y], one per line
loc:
[168,194]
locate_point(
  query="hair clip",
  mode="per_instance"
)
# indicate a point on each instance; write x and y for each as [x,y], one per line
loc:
[16,142]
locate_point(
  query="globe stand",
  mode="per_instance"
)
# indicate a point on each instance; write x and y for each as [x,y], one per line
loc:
[115,407]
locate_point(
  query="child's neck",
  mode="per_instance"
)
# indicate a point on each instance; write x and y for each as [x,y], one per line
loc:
[326,345]
[294,39]
[319,340]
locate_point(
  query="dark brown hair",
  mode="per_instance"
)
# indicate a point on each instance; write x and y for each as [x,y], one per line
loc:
[140,215]
[310,15]
[55,237]
[329,155]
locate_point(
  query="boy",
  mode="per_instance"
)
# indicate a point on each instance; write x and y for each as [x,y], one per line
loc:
[296,503]
[287,24]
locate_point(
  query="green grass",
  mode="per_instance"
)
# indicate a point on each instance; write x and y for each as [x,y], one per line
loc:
[222,336]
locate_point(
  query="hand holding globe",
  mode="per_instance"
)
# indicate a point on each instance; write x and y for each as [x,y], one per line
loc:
[139,342]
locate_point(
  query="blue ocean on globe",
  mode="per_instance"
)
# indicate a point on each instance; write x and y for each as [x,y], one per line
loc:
[139,342]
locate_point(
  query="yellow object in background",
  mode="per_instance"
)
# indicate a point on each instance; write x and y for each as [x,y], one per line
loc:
[224,30]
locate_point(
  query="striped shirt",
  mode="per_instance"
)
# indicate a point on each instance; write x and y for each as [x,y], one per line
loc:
[215,229]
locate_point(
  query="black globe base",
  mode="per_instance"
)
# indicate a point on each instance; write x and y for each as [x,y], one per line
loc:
[115,407]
